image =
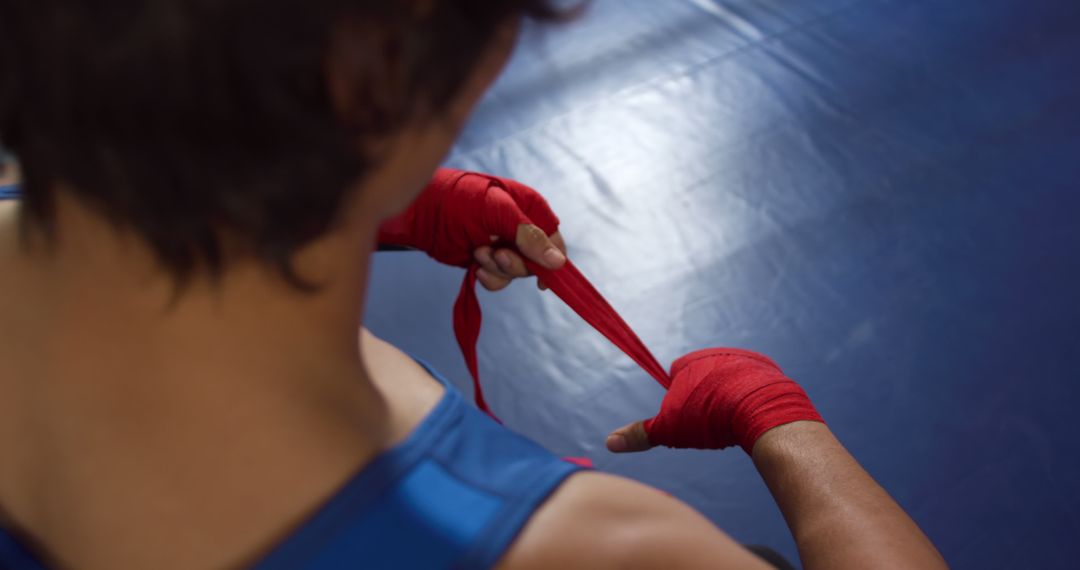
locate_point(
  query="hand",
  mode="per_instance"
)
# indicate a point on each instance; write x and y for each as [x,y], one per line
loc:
[465,218]
[500,266]
[719,398]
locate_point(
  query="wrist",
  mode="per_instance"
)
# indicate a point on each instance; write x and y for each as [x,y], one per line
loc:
[792,438]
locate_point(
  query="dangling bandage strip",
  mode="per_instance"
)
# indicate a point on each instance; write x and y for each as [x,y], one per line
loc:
[579,294]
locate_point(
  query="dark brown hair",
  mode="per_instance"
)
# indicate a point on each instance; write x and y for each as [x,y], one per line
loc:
[190,120]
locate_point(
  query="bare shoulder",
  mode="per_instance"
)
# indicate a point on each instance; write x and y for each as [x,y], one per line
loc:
[8,249]
[8,210]
[9,174]
[410,391]
[596,520]
[397,373]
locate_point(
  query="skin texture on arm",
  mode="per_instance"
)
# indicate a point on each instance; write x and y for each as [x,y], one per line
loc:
[598,521]
[840,517]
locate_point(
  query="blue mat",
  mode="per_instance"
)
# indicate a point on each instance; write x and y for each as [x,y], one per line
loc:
[882,195]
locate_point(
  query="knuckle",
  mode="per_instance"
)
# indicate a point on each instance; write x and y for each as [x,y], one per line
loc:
[640,435]
[492,282]
[534,235]
[504,259]
[517,267]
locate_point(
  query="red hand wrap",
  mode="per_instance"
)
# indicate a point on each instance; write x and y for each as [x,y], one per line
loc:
[459,211]
[721,397]
[454,215]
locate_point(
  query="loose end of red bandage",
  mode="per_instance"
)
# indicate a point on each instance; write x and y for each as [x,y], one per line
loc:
[578,293]
[580,461]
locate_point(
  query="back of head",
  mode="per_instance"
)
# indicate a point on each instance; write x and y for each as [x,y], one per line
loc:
[195,123]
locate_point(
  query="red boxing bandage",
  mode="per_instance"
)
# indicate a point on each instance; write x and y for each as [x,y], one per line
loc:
[721,397]
[717,397]
[458,212]
[454,215]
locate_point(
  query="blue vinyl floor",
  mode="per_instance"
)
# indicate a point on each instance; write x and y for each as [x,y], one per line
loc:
[883,195]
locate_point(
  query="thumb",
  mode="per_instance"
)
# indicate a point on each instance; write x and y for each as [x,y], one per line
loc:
[534,244]
[628,438]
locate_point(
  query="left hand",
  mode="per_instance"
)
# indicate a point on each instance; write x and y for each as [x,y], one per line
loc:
[500,266]
[462,218]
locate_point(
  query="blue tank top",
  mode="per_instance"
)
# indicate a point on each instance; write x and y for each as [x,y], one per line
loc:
[454,494]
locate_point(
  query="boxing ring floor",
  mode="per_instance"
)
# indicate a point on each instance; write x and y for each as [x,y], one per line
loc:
[882,195]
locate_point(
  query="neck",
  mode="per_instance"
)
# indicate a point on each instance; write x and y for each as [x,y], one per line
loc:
[125,397]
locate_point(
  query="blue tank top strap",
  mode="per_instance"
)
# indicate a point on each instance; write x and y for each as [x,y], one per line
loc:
[15,556]
[455,494]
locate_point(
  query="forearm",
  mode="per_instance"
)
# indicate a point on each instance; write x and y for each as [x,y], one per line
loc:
[840,517]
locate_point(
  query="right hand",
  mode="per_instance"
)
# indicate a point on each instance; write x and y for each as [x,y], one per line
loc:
[718,398]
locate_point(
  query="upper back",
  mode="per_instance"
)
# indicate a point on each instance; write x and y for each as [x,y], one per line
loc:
[458,484]
[454,494]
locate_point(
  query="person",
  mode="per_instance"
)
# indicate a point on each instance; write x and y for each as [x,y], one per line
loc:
[184,276]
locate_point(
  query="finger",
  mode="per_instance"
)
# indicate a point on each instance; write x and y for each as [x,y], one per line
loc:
[510,263]
[629,438]
[491,282]
[535,245]
[483,256]
[557,239]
